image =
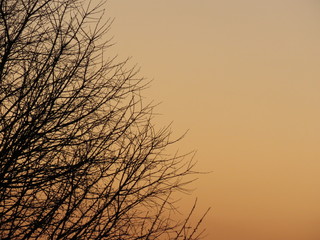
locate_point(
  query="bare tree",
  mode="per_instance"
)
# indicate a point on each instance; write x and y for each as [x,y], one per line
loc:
[79,155]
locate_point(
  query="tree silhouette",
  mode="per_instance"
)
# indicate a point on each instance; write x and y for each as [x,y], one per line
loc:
[79,155]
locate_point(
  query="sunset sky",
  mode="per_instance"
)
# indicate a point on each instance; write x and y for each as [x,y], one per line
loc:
[243,76]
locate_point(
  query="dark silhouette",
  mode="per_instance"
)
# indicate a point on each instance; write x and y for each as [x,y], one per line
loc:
[79,155]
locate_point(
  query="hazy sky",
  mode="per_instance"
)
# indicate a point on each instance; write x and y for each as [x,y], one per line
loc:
[244,77]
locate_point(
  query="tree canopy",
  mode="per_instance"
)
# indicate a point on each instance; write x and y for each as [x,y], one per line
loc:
[80,157]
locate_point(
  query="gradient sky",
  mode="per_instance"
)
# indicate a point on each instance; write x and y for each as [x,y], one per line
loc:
[244,78]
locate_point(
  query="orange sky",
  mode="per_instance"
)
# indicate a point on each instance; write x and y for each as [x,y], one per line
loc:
[244,78]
